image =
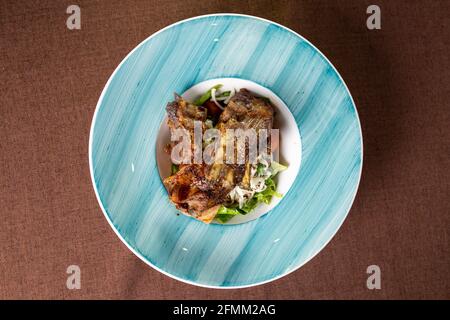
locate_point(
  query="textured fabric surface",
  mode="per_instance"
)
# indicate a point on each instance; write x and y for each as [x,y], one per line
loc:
[51,78]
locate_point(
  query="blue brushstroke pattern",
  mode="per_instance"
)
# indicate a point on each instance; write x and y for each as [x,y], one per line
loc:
[129,116]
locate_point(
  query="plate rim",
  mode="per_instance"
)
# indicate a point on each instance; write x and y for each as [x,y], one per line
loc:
[91,169]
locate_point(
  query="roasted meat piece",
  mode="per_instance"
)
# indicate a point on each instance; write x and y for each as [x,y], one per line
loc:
[193,193]
[200,189]
[182,114]
[247,111]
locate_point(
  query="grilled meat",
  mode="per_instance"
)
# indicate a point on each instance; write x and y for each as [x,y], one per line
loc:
[200,189]
[194,194]
[182,114]
[246,111]
[189,189]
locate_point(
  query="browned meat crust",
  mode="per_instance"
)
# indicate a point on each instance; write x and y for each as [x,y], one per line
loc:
[199,190]
[193,193]
[182,114]
[247,111]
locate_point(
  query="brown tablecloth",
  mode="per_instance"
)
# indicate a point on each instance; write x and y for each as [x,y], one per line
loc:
[51,78]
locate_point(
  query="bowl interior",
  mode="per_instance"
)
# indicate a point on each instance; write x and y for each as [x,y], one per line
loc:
[123,144]
[290,143]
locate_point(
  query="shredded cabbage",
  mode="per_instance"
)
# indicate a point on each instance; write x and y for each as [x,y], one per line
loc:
[224,214]
[206,96]
[213,98]
[232,93]
[262,189]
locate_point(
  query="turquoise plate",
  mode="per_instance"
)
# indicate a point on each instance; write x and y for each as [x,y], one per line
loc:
[123,162]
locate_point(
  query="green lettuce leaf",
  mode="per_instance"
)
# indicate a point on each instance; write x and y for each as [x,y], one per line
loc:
[174,168]
[270,191]
[224,214]
[206,96]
